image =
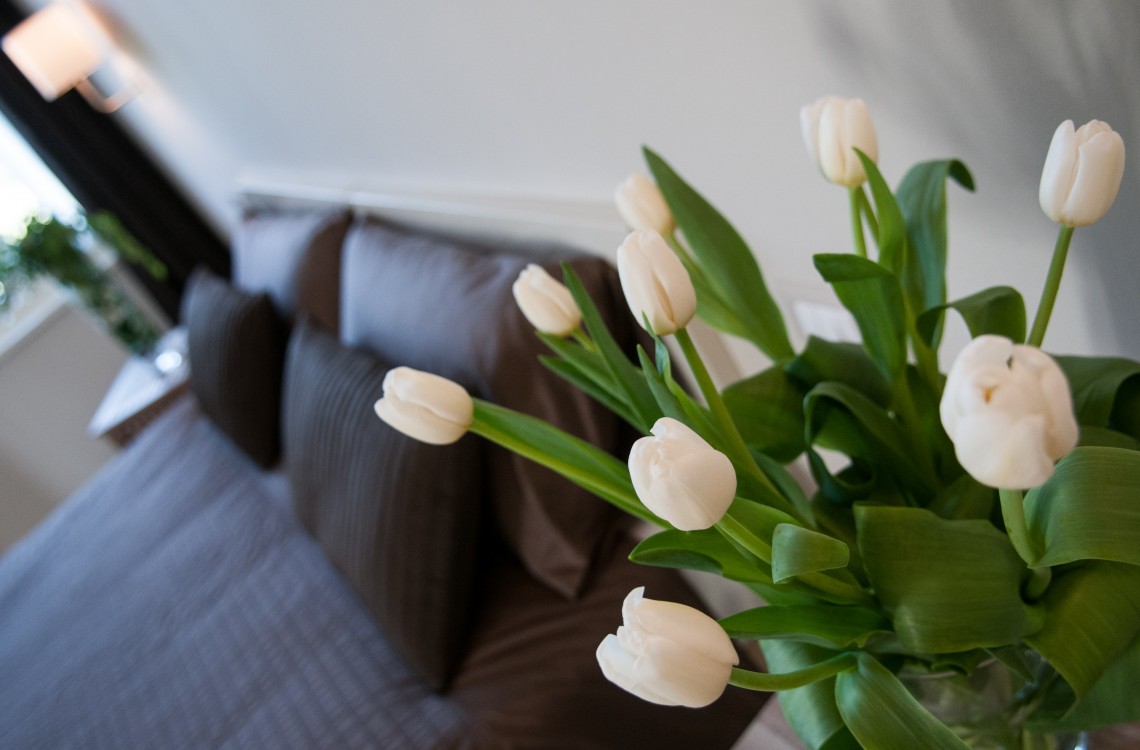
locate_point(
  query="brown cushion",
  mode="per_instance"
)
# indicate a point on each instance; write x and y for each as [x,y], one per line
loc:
[399,518]
[534,652]
[437,305]
[293,256]
[236,344]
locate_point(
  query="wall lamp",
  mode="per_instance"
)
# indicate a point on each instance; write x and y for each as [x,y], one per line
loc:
[63,46]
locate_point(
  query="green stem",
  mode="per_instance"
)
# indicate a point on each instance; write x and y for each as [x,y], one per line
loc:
[926,359]
[829,585]
[614,494]
[586,342]
[766,682]
[736,445]
[833,588]
[1013,513]
[705,383]
[857,222]
[907,413]
[736,532]
[1039,580]
[868,214]
[1052,284]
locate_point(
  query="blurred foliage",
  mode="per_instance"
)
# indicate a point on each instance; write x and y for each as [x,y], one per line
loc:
[67,253]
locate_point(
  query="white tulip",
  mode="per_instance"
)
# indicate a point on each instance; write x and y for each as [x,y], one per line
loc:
[668,653]
[1082,173]
[655,283]
[680,477]
[831,128]
[426,407]
[1008,409]
[642,206]
[546,302]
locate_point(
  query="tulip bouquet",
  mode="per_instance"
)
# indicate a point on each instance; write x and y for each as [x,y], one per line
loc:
[983,521]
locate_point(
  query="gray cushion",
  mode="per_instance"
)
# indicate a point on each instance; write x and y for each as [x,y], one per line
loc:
[399,518]
[236,344]
[446,307]
[293,256]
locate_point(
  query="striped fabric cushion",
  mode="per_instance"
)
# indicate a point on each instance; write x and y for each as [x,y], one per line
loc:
[399,518]
[237,348]
[294,257]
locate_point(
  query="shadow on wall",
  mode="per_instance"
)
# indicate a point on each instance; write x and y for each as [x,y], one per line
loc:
[998,78]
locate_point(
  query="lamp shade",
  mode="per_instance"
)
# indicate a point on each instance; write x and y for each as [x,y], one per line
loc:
[55,49]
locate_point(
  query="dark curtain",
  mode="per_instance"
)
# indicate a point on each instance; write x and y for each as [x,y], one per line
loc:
[105,169]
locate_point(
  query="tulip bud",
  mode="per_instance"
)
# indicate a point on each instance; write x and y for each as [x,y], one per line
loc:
[1009,411]
[680,477]
[832,127]
[642,206]
[655,283]
[1082,173]
[546,302]
[424,406]
[668,653]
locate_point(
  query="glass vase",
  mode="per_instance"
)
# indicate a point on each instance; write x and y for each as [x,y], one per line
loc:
[986,709]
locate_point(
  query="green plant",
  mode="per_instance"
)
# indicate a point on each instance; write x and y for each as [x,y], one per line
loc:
[966,524]
[52,248]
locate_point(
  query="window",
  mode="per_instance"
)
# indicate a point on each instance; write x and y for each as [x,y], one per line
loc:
[27,187]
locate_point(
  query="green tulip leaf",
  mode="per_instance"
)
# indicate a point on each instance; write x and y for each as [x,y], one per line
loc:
[756,522]
[1112,699]
[584,464]
[892,229]
[1089,509]
[1103,437]
[843,362]
[696,415]
[588,362]
[810,710]
[785,483]
[587,370]
[1094,615]
[842,418]
[874,297]
[965,498]
[942,456]
[625,375]
[1106,392]
[999,310]
[1015,658]
[704,550]
[853,483]
[882,714]
[751,525]
[820,624]
[947,585]
[796,551]
[666,401]
[569,371]
[767,409]
[964,662]
[922,198]
[711,307]
[725,260]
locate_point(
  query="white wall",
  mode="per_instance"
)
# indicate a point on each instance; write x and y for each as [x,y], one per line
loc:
[51,380]
[554,98]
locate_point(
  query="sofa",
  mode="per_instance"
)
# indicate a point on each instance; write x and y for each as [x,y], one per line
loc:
[268,565]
